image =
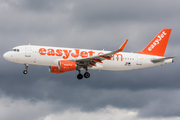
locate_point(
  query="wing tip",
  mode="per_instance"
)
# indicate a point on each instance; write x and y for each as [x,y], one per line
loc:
[122,46]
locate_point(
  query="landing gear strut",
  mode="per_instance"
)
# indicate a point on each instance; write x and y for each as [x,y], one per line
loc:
[26,67]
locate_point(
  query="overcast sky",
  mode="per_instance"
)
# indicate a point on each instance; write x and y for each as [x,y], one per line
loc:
[146,94]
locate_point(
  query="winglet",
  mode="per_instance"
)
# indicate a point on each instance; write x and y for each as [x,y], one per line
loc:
[122,46]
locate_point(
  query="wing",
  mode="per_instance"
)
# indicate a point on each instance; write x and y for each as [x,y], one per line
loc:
[91,61]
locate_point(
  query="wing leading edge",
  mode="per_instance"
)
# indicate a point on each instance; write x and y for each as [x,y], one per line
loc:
[91,61]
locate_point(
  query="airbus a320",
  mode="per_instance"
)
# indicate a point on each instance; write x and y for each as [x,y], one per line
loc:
[61,60]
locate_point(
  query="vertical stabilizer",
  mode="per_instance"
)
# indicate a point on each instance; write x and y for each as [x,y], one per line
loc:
[158,45]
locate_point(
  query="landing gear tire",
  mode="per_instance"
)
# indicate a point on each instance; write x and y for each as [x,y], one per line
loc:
[25,71]
[79,76]
[86,75]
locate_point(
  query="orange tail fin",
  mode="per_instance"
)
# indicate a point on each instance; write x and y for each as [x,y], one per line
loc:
[158,45]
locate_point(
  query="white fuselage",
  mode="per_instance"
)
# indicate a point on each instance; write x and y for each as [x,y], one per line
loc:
[48,56]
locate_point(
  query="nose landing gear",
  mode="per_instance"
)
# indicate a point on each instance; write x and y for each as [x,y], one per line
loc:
[26,67]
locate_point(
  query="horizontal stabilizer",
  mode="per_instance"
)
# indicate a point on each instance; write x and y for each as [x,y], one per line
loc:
[161,59]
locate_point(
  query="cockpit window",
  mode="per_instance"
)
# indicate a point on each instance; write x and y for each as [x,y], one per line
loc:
[15,50]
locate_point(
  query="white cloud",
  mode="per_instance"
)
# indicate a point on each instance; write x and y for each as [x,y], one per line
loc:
[108,113]
[22,109]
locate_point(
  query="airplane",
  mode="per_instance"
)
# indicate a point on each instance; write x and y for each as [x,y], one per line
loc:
[61,59]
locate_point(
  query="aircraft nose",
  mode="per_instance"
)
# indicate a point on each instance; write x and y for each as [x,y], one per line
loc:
[5,56]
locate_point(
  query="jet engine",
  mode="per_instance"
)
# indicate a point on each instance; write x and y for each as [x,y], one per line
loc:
[63,66]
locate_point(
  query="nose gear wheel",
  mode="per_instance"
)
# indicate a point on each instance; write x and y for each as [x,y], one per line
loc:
[25,71]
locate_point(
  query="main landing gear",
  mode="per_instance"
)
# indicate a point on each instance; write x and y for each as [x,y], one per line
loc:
[26,67]
[80,76]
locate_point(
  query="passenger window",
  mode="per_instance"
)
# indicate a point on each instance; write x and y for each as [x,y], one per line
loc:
[17,50]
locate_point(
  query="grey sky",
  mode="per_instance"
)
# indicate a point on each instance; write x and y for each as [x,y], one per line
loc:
[101,24]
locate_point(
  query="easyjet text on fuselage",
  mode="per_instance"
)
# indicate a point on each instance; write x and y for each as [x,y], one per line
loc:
[65,54]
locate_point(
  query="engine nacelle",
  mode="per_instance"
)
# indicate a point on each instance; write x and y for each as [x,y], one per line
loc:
[55,69]
[63,66]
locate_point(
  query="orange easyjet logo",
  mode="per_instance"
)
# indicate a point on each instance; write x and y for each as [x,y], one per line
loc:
[157,41]
[65,54]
